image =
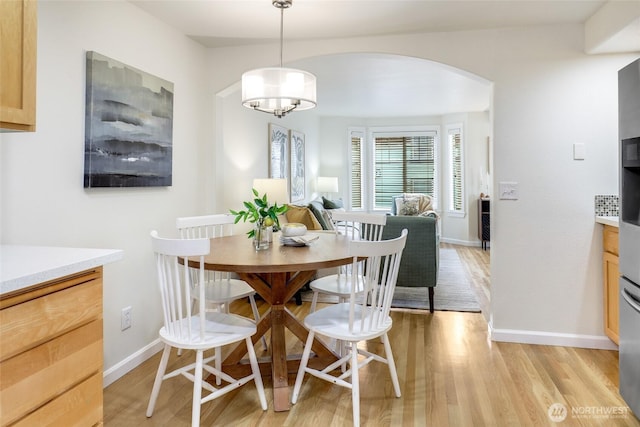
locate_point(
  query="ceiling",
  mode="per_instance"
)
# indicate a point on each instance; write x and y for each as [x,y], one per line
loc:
[391,85]
[377,85]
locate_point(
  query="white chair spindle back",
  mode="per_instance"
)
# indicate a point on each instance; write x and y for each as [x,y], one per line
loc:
[380,274]
[209,227]
[174,280]
[358,226]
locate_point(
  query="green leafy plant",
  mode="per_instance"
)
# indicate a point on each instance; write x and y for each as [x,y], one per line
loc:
[259,212]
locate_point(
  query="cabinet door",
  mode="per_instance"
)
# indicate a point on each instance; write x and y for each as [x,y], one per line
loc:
[610,239]
[611,297]
[18,26]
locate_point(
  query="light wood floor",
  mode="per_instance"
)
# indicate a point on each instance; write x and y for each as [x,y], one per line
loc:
[450,375]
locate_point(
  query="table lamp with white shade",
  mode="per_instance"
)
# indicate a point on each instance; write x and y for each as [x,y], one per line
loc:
[276,189]
[327,184]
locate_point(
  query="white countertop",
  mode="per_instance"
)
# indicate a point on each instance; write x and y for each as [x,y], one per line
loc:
[607,220]
[24,266]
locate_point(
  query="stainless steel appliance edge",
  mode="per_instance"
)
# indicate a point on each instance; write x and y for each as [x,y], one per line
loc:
[629,234]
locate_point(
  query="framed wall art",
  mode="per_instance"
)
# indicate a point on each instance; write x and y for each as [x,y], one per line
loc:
[278,151]
[297,166]
[128,126]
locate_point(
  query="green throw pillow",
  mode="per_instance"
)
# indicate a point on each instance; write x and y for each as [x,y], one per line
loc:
[332,204]
[316,208]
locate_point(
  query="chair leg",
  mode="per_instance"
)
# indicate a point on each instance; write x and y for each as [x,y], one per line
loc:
[257,377]
[158,382]
[341,344]
[392,365]
[342,351]
[431,299]
[314,301]
[218,363]
[303,364]
[197,390]
[256,316]
[355,384]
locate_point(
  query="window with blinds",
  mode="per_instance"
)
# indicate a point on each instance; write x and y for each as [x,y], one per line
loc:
[356,171]
[403,164]
[387,161]
[456,169]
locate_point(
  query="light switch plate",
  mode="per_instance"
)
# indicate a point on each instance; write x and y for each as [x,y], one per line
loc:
[508,190]
[578,151]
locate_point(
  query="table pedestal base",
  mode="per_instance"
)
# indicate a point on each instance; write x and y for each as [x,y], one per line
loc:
[276,289]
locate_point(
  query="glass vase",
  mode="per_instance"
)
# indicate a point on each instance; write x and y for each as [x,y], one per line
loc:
[261,237]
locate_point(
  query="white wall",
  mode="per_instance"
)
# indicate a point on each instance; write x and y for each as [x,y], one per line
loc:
[43,199]
[243,148]
[463,230]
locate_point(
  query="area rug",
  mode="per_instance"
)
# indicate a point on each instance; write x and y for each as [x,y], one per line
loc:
[453,292]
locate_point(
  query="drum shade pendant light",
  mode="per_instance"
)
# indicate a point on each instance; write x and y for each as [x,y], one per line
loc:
[279,90]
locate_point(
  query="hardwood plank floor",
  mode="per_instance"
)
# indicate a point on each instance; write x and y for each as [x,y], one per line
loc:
[477,264]
[450,375]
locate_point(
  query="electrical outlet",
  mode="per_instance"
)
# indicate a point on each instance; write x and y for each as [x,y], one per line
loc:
[125,318]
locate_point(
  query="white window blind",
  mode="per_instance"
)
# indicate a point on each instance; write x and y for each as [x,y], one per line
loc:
[456,169]
[356,170]
[391,161]
[403,163]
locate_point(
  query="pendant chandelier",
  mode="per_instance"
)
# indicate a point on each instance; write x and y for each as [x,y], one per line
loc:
[279,90]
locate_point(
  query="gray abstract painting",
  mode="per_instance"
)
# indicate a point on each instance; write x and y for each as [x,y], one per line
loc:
[128,126]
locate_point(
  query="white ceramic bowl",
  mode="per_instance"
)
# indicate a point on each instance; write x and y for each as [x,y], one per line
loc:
[293,229]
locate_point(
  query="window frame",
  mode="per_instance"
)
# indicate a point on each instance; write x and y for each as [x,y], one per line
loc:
[357,132]
[452,210]
[368,159]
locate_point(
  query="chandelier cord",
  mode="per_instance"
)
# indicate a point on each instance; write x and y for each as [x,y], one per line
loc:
[281,33]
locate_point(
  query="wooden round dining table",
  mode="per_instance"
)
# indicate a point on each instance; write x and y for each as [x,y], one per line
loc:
[277,274]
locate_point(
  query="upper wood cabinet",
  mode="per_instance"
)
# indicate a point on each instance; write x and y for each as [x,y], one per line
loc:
[18,36]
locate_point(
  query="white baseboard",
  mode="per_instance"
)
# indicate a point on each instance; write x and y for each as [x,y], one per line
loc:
[128,364]
[599,342]
[476,243]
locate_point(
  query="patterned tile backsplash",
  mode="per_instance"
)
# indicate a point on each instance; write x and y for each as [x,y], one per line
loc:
[607,205]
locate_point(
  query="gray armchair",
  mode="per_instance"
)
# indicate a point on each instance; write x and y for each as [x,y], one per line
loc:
[420,258]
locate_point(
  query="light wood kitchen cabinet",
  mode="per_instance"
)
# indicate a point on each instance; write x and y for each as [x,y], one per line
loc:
[611,285]
[51,357]
[18,39]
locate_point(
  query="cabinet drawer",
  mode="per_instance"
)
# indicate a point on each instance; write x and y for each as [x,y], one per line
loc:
[31,323]
[610,239]
[33,378]
[80,406]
